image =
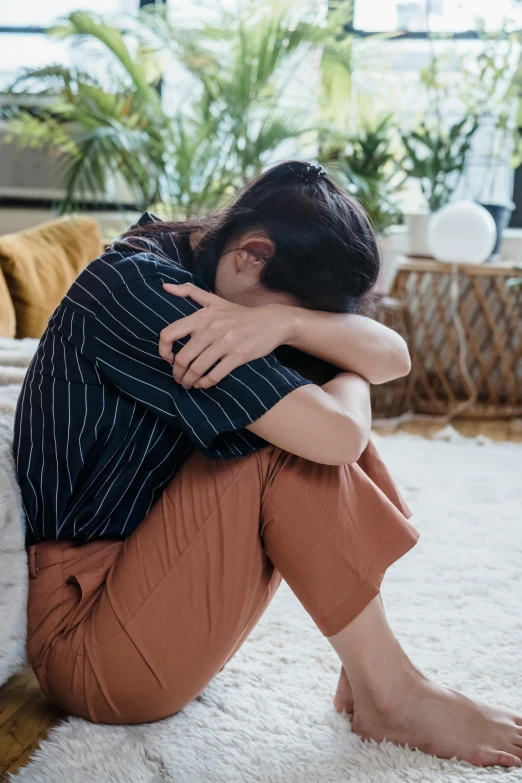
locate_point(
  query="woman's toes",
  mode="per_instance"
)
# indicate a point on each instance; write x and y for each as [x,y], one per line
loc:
[493,758]
[509,760]
[343,699]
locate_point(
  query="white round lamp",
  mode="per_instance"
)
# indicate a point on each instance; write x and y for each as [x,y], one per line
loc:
[462,233]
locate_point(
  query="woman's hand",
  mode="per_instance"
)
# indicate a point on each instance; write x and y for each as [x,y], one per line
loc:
[222,334]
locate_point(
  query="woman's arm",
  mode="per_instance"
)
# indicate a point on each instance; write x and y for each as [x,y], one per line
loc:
[225,335]
[351,342]
[329,424]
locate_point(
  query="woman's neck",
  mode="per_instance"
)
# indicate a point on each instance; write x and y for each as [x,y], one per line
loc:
[194,238]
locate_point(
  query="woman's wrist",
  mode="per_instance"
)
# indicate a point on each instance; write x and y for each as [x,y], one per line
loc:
[295,324]
[288,320]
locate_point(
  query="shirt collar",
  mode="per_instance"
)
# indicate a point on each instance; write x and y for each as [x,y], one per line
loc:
[161,243]
[145,220]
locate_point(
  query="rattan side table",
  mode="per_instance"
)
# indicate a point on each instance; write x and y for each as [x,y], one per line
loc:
[395,397]
[466,329]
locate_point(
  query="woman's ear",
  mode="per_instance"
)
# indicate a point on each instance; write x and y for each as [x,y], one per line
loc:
[255,249]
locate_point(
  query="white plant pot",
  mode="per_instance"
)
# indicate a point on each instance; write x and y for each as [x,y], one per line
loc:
[417,225]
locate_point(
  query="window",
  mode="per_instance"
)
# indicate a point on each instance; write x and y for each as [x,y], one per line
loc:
[21,47]
[19,50]
[436,15]
[389,68]
[391,74]
[36,13]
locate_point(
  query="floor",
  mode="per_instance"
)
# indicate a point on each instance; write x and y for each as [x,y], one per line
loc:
[496,429]
[26,715]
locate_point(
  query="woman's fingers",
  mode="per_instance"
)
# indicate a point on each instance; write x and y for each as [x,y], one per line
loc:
[204,298]
[176,331]
[202,364]
[185,358]
[208,329]
[220,371]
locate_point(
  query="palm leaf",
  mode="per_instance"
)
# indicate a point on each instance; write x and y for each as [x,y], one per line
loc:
[82,24]
[239,112]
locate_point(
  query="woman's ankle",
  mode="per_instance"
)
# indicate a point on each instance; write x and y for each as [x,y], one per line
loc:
[385,689]
[380,673]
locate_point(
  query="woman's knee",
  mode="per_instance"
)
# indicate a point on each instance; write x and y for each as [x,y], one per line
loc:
[294,479]
[107,691]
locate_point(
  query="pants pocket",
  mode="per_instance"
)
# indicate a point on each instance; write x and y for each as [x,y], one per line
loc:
[82,592]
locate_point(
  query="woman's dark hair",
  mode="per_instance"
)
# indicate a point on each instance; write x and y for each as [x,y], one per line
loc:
[326,253]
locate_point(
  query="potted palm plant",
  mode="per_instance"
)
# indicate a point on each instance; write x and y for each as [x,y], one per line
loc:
[491,86]
[238,106]
[365,163]
[435,152]
[435,156]
[94,129]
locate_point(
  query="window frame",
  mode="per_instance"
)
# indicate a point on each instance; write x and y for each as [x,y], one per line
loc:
[7,30]
[412,35]
[39,30]
[33,202]
[467,35]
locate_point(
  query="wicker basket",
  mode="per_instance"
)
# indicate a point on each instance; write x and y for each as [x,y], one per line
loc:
[394,398]
[480,373]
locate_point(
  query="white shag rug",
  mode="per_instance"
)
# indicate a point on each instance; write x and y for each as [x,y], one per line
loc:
[454,601]
[15,355]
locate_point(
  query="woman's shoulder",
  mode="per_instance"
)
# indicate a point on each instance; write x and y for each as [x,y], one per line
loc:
[151,235]
[117,271]
[121,268]
[133,262]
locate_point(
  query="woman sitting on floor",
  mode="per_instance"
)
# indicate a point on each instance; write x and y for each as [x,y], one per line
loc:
[151,560]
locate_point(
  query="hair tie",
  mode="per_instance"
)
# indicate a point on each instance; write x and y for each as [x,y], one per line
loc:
[293,172]
[310,172]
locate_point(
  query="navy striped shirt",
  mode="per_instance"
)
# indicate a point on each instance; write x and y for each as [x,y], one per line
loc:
[101,426]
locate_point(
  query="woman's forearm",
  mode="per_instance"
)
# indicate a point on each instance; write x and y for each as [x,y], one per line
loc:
[353,343]
[224,335]
[352,393]
[329,424]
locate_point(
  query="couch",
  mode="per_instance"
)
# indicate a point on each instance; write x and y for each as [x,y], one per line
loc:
[38,266]
[36,269]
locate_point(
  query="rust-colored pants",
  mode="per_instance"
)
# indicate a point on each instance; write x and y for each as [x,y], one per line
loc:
[130,631]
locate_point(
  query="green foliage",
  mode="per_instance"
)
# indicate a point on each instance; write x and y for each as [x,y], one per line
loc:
[96,133]
[365,164]
[435,151]
[237,107]
[436,156]
[239,110]
[491,85]
[489,88]
[241,62]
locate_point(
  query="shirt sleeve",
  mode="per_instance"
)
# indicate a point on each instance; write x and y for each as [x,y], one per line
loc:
[126,336]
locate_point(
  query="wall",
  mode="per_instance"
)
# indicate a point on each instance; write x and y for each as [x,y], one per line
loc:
[18,219]
[112,223]
[395,244]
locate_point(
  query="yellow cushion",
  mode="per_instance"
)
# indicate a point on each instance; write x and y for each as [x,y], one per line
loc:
[7,312]
[40,265]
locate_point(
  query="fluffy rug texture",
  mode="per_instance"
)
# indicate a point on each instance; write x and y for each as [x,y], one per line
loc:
[454,602]
[15,355]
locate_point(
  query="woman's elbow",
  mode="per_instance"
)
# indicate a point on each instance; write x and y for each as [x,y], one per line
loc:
[402,359]
[397,363]
[356,445]
[351,441]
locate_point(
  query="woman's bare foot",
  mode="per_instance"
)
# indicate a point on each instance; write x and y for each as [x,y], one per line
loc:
[443,722]
[396,702]
[343,699]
